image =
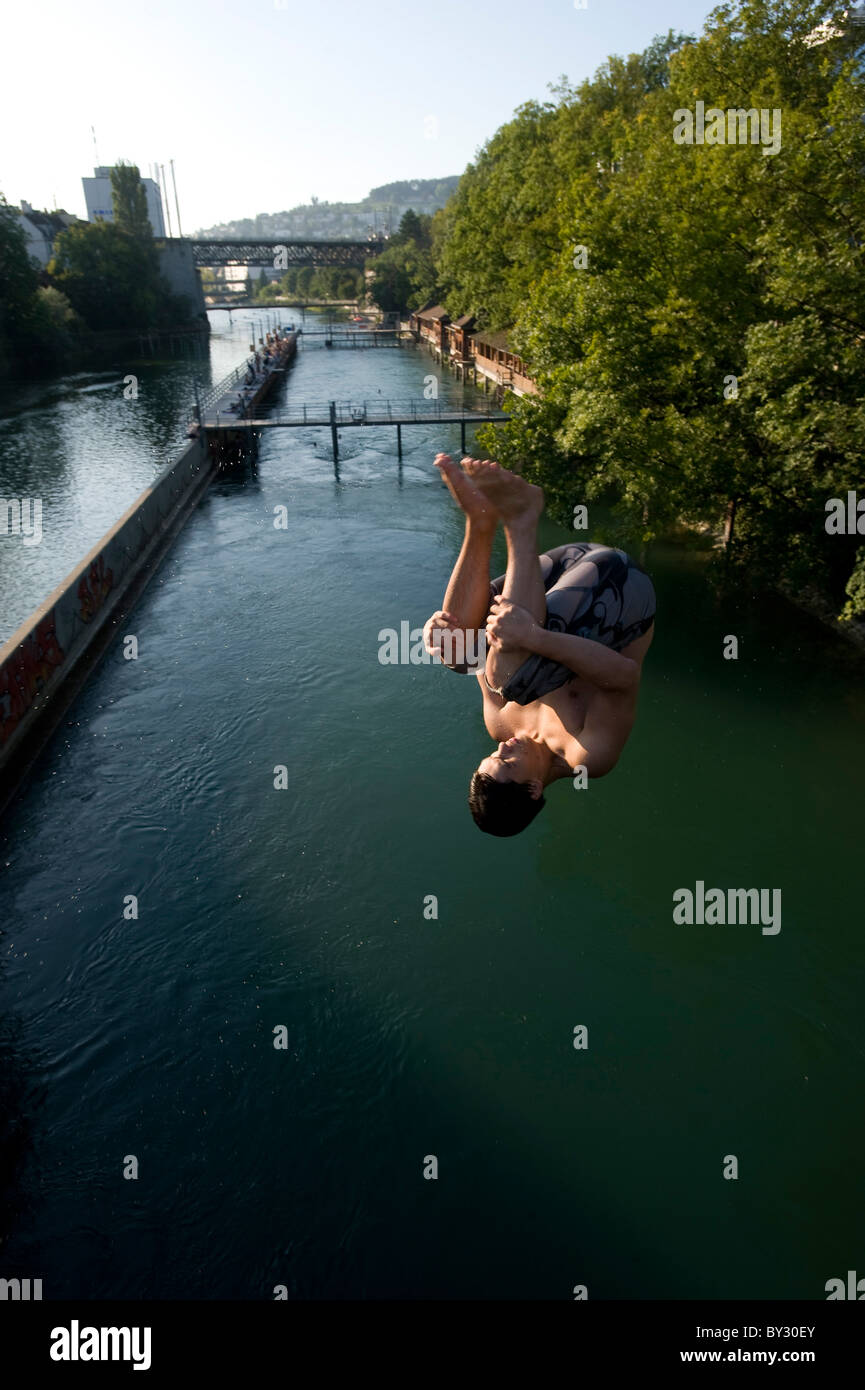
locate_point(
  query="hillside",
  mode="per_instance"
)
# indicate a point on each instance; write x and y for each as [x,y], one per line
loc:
[379,212]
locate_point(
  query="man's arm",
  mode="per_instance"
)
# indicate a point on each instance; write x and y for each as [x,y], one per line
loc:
[503,663]
[593,661]
[514,634]
[497,727]
[600,741]
[509,631]
[455,647]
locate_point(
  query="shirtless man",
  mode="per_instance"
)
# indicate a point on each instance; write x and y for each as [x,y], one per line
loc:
[566,634]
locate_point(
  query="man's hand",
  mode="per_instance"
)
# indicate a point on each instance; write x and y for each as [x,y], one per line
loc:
[511,628]
[434,628]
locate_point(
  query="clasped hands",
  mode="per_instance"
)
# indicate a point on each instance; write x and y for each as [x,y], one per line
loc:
[511,628]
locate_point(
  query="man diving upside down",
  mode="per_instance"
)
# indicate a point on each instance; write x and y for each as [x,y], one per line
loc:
[566,634]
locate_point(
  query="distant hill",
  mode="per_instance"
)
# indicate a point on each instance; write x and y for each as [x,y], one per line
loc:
[380,212]
[433,191]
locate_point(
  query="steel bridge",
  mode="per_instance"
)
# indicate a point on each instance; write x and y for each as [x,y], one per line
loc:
[279,253]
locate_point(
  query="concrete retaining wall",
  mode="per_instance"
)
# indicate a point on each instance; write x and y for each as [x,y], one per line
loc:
[177,264]
[45,663]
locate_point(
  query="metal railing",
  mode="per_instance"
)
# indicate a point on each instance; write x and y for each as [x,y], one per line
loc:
[222,388]
[375,412]
[208,397]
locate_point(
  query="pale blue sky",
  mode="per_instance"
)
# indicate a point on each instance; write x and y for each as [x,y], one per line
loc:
[262,103]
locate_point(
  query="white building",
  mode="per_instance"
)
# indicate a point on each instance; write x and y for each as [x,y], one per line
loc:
[41,228]
[100,208]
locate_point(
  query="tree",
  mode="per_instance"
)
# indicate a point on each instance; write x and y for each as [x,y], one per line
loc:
[703,361]
[109,271]
[129,202]
[27,330]
[414,228]
[95,266]
[19,279]
[392,286]
[59,311]
[405,275]
[503,224]
[655,61]
[112,279]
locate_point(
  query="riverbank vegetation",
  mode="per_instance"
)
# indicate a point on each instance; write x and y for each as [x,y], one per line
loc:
[406,275]
[104,277]
[306,282]
[693,314]
[38,326]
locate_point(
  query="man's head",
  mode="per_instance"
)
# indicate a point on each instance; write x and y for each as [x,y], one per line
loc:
[507,790]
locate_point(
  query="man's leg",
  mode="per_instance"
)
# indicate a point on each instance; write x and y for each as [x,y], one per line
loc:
[523,580]
[467,596]
[455,635]
[520,505]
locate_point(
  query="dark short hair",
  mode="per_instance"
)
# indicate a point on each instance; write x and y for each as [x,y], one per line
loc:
[502,808]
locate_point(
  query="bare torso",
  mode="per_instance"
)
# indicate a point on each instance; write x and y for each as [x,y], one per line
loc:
[580,723]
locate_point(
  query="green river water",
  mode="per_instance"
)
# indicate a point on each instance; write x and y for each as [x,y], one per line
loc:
[304,908]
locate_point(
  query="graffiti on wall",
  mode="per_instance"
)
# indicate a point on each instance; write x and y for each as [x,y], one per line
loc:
[27,672]
[93,589]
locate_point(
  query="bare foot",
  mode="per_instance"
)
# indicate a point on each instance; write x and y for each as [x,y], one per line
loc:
[464,492]
[515,500]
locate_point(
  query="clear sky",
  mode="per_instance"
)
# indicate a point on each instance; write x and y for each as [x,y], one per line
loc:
[263,103]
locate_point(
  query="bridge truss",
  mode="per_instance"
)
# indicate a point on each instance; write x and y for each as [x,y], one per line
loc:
[279,254]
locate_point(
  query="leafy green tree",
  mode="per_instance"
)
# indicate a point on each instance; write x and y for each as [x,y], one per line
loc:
[855,590]
[414,229]
[699,359]
[502,221]
[392,287]
[59,311]
[803,377]
[410,228]
[352,284]
[325,283]
[30,334]
[19,280]
[109,271]
[405,275]
[129,201]
[101,271]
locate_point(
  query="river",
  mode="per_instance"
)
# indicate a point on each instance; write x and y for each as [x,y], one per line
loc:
[260,910]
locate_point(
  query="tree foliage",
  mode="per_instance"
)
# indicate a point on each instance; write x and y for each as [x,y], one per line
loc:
[129,203]
[700,359]
[109,271]
[405,274]
[36,325]
[322,282]
[107,275]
